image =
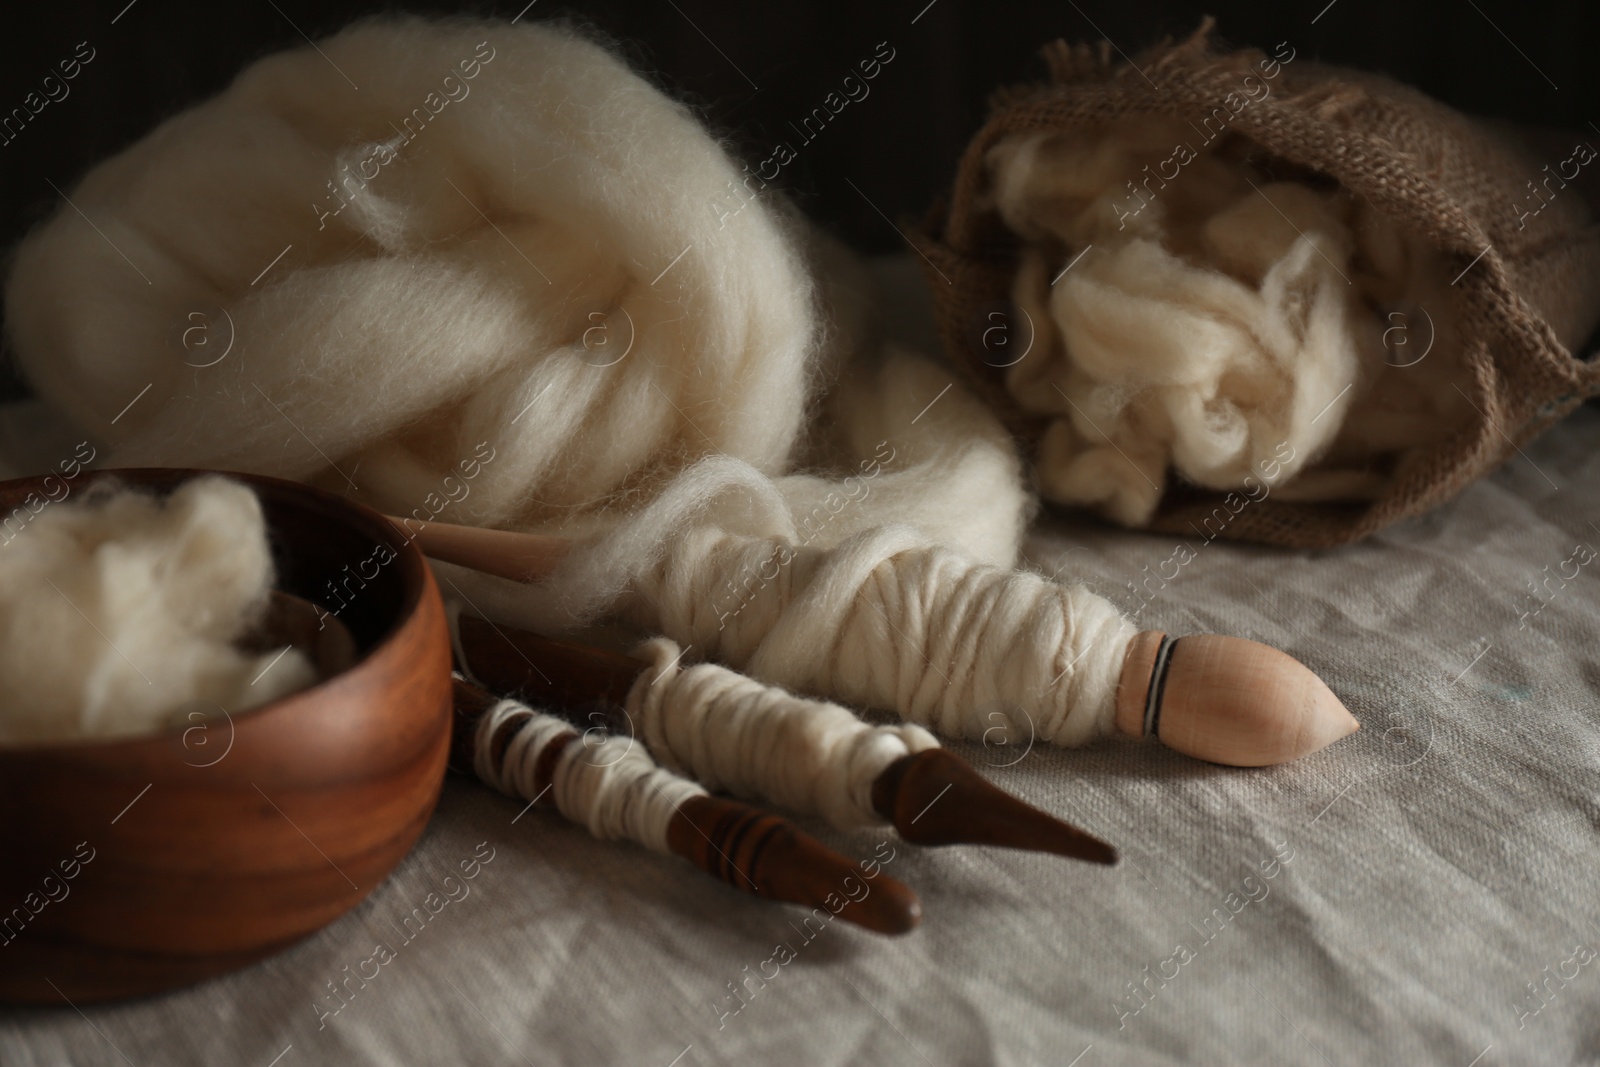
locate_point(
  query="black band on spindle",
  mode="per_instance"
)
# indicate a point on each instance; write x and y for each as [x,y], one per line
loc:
[1158,686]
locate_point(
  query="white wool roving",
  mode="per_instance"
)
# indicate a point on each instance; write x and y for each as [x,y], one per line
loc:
[1235,330]
[733,733]
[498,233]
[118,614]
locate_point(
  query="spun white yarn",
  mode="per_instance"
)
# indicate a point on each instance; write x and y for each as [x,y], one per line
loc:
[1231,330]
[733,733]
[555,212]
[888,621]
[118,614]
[613,788]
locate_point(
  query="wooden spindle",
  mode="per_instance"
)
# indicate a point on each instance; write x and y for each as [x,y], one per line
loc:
[1223,699]
[752,850]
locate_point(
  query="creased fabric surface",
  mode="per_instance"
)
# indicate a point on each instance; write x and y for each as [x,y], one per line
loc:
[1439,861]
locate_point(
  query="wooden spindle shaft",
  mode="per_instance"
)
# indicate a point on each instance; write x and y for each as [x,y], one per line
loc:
[518,556]
[546,671]
[769,856]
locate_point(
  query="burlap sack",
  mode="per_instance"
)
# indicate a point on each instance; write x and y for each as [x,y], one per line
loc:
[1524,304]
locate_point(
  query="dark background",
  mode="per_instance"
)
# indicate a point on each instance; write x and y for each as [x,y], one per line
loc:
[751,69]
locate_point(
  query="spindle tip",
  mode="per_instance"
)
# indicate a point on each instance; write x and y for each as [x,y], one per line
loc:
[1227,700]
[769,856]
[934,797]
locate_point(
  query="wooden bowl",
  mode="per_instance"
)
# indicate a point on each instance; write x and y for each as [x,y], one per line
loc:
[134,866]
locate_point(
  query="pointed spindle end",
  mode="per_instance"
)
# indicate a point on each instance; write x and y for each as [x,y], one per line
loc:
[766,855]
[1227,700]
[934,797]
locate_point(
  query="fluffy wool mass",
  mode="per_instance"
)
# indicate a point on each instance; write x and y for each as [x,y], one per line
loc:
[505,239]
[504,235]
[119,613]
[1192,314]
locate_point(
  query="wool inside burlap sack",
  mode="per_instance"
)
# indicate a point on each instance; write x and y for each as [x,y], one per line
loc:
[1201,280]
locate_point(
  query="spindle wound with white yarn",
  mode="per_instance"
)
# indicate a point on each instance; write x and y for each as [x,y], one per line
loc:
[872,620]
